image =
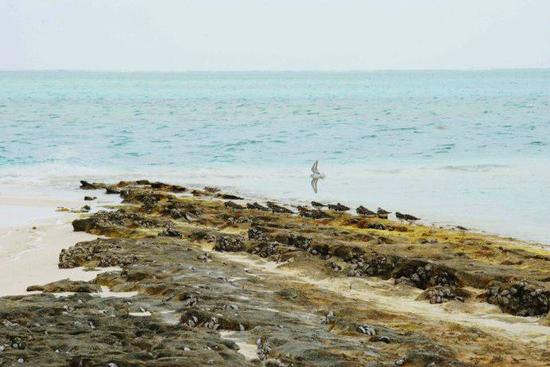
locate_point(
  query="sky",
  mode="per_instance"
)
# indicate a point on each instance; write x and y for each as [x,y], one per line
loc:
[181,35]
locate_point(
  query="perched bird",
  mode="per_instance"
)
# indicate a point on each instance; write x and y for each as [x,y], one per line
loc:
[407,217]
[361,210]
[316,175]
[338,207]
[277,208]
[382,213]
[233,205]
[257,206]
[312,213]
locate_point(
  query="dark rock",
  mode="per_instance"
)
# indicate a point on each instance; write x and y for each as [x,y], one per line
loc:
[171,232]
[264,249]
[229,243]
[257,233]
[423,275]
[112,190]
[298,241]
[202,235]
[85,185]
[519,298]
[445,293]
[199,193]
[89,198]
[334,266]
[66,285]
[379,226]
[100,252]
[111,222]
[166,187]
[381,266]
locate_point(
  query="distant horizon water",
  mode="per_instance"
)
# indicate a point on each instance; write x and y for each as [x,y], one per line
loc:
[455,147]
[320,70]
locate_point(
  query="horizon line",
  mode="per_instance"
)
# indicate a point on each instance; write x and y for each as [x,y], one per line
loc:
[269,70]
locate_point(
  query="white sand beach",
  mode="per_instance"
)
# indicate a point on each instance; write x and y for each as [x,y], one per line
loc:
[32,233]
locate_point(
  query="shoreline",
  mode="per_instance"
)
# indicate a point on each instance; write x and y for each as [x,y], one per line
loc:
[22,247]
[294,188]
[212,267]
[32,233]
[505,198]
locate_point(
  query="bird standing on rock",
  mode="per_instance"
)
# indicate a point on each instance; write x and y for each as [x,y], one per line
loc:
[382,213]
[361,210]
[338,207]
[407,217]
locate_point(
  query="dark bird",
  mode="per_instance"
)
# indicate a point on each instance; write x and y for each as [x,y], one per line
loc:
[317,204]
[229,196]
[233,205]
[361,210]
[338,207]
[312,213]
[277,208]
[407,217]
[382,213]
[257,206]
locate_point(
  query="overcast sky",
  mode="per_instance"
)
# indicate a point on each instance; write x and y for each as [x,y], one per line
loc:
[274,34]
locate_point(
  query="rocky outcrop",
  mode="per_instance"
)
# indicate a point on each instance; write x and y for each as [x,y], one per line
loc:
[199,282]
[520,298]
[66,285]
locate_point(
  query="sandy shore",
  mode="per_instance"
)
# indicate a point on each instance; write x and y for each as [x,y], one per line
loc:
[32,233]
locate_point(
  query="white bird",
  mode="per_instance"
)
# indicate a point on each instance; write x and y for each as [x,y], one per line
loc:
[316,175]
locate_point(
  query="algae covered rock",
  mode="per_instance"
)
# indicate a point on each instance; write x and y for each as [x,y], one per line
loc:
[66,285]
[519,298]
[229,243]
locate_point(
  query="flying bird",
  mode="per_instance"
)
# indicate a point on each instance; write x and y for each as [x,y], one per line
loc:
[316,175]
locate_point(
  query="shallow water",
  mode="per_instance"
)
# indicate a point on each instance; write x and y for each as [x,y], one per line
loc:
[469,148]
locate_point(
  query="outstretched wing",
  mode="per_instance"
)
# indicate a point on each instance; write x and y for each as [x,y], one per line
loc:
[314,184]
[315,168]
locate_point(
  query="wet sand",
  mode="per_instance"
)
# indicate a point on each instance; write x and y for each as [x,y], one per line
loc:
[32,233]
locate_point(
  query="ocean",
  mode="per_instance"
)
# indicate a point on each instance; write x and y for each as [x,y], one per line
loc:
[468,148]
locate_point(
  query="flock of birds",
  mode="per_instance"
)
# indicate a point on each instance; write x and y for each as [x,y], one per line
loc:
[361,210]
[316,175]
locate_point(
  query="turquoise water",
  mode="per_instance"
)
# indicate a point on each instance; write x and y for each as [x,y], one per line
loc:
[459,147]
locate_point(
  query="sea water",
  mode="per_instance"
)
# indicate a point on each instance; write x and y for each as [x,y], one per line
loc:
[453,147]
